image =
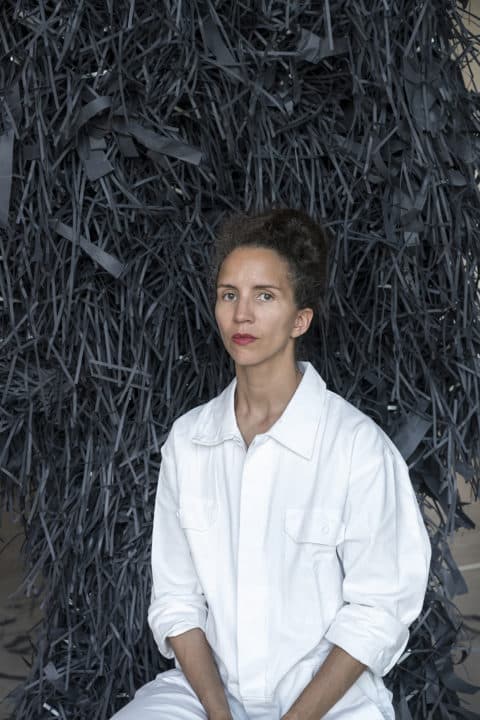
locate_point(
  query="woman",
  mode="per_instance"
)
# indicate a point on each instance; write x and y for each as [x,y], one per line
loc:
[289,554]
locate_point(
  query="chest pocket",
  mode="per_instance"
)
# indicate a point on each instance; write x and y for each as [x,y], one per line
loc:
[197,513]
[314,525]
[312,567]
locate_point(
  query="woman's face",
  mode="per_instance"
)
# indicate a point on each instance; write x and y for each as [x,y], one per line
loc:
[255,298]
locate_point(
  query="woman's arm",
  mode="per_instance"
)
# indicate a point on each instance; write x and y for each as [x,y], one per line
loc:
[178,612]
[335,676]
[385,555]
[177,603]
[196,659]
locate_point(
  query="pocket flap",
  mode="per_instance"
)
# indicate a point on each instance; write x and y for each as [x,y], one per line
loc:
[196,513]
[313,525]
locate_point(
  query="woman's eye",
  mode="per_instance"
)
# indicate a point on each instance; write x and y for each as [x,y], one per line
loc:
[231,296]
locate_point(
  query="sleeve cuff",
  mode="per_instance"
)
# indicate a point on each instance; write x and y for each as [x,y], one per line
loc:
[369,634]
[162,627]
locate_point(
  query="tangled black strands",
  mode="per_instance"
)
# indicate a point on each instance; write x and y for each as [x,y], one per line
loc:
[128,132]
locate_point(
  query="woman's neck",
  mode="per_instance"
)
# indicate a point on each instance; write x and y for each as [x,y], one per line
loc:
[263,391]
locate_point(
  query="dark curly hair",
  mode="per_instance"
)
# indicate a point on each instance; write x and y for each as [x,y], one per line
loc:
[299,239]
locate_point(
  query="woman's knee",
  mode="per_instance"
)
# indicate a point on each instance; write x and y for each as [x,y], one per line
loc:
[168,697]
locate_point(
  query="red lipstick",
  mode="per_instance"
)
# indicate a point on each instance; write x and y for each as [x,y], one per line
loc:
[243,339]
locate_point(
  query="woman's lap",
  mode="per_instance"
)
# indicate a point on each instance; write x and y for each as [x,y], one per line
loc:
[170,697]
[167,697]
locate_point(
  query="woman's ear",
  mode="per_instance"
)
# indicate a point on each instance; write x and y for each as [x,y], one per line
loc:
[303,321]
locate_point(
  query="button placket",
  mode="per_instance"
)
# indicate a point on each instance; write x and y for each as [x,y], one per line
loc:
[252,588]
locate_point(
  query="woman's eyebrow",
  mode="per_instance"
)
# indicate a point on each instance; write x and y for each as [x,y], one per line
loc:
[255,287]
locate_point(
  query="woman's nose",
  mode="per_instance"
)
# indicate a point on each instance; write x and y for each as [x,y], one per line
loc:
[243,310]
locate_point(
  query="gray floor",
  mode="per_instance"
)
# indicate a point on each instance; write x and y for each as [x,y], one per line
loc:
[18,615]
[466,551]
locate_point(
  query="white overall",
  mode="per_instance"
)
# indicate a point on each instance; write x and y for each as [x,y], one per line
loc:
[310,537]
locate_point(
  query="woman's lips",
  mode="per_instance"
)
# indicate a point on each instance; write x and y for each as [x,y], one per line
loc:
[243,339]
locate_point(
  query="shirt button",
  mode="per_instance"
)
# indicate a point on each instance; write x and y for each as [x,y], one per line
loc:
[325,529]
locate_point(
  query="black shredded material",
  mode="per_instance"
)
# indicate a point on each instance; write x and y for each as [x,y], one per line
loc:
[128,131]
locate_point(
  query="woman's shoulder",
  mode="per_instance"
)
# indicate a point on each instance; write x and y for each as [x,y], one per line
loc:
[188,420]
[348,415]
[356,425]
[185,426]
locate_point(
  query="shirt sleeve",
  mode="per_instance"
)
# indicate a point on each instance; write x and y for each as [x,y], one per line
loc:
[177,601]
[385,554]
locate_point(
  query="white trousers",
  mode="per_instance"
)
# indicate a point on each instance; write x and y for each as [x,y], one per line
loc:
[171,697]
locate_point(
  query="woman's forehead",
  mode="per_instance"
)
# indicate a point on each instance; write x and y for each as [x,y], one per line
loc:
[255,261]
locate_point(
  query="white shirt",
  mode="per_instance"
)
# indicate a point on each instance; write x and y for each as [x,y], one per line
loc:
[310,537]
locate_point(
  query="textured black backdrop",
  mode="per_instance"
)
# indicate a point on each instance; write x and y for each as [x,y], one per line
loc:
[128,131]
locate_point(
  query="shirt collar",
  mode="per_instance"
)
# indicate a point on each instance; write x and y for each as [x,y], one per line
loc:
[296,428]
